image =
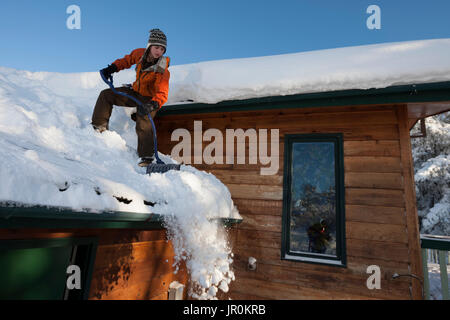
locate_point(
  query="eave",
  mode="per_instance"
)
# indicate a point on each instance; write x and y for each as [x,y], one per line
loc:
[65,218]
[423,100]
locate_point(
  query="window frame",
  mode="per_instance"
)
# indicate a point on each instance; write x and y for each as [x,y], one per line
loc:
[317,258]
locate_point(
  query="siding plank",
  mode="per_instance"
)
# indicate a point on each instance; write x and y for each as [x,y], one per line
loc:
[376,249]
[372,164]
[245,177]
[251,206]
[262,192]
[380,148]
[375,180]
[256,238]
[375,214]
[377,232]
[375,197]
[261,222]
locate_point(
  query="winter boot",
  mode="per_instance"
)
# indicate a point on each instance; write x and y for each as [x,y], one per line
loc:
[145,161]
[100,128]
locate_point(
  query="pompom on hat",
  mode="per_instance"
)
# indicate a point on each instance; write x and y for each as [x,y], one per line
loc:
[157,38]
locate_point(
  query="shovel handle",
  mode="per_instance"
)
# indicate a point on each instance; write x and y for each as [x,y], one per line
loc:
[110,83]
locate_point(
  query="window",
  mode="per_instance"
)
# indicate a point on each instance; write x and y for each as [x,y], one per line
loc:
[35,269]
[313,199]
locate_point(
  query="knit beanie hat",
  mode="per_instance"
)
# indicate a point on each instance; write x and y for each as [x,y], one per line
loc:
[157,38]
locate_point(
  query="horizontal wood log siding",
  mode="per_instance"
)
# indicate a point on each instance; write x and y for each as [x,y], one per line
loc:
[129,264]
[376,220]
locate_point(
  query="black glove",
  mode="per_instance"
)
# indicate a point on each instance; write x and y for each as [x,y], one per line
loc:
[148,107]
[107,72]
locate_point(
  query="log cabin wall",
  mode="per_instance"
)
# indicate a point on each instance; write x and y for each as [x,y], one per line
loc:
[380,215]
[129,264]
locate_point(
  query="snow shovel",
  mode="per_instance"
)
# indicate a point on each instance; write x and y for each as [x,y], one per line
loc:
[159,166]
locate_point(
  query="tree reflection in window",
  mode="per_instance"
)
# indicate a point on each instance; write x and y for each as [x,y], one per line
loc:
[313,198]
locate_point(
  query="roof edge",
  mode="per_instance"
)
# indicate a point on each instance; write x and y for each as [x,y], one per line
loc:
[36,217]
[423,92]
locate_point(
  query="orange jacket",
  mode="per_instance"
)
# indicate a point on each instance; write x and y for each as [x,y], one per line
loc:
[148,83]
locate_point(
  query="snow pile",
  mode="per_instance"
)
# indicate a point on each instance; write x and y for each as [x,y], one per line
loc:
[197,240]
[432,175]
[51,156]
[206,252]
[360,67]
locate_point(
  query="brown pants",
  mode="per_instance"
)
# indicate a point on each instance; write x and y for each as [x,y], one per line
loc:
[103,109]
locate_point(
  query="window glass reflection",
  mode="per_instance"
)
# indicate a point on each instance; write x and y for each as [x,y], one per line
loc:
[313,198]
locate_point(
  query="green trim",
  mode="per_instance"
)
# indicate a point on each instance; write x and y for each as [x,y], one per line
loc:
[427,92]
[51,217]
[43,243]
[59,218]
[442,244]
[84,258]
[340,258]
[426,276]
[437,243]
[444,274]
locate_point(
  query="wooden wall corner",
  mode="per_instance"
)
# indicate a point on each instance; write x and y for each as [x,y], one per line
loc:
[412,220]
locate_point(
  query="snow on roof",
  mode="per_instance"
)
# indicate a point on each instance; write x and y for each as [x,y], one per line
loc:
[45,116]
[359,67]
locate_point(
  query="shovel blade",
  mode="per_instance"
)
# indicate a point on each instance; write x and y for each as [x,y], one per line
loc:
[162,168]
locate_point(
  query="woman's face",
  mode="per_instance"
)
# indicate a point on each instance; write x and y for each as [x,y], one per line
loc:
[156,51]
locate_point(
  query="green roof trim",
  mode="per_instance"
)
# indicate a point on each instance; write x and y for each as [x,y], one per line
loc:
[65,218]
[435,242]
[426,92]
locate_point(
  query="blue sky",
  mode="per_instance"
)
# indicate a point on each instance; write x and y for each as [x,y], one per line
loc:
[34,35]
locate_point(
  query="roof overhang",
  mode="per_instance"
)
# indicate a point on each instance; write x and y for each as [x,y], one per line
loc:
[423,100]
[42,217]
